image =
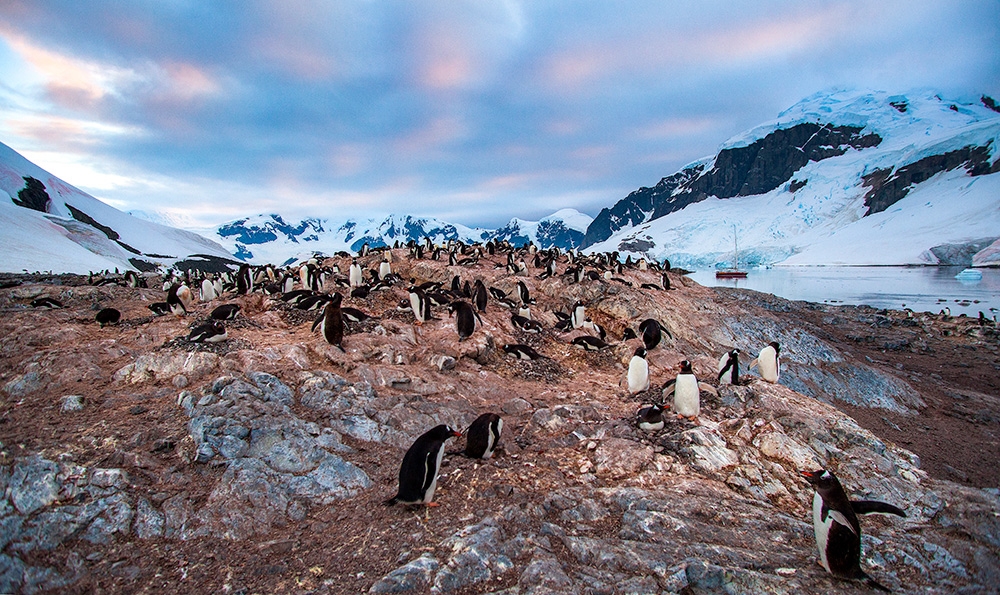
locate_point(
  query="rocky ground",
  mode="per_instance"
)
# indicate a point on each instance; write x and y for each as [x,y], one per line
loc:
[133,461]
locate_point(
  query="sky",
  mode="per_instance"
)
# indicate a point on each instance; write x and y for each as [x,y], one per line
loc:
[469,111]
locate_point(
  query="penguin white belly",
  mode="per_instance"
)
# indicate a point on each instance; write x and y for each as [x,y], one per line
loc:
[725,378]
[491,439]
[767,361]
[418,312]
[384,270]
[355,276]
[638,375]
[821,528]
[429,494]
[687,397]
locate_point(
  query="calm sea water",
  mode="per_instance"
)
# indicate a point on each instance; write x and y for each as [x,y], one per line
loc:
[922,289]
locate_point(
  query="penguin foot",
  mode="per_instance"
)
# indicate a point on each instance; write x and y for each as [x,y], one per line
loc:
[432,505]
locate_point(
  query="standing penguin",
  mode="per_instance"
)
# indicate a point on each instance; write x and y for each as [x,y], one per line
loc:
[729,367]
[480,295]
[687,392]
[578,315]
[419,471]
[652,331]
[174,300]
[650,419]
[483,436]
[836,526]
[354,276]
[207,290]
[385,268]
[244,281]
[769,362]
[331,322]
[466,318]
[638,372]
[420,305]
[522,293]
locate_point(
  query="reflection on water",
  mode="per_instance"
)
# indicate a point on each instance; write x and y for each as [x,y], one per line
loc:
[918,288]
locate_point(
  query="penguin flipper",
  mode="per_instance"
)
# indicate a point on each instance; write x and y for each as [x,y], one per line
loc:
[870,506]
[318,320]
[708,388]
[873,583]
[839,517]
[391,501]
[753,365]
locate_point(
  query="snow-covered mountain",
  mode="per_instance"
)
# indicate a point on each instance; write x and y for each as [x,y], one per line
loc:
[270,238]
[840,178]
[48,225]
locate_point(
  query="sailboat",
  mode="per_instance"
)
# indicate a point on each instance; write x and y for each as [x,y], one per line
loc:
[733,272]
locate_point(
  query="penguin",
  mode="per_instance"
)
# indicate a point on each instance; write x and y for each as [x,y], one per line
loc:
[522,352]
[666,281]
[652,332]
[174,300]
[522,294]
[331,322]
[588,343]
[687,392]
[419,471]
[497,293]
[628,334]
[312,302]
[590,325]
[244,281]
[638,372]
[46,302]
[420,305]
[354,275]
[225,312]
[159,308]
[385,268]
[525,324]
[483,435]
[836,526]
[213,332]
[353,314]
[578,315]
[480,295]
[650,419]
[133,280]
[524,312]
[466,318]
[769,362]
[207,290]
[108,316]
[729,367]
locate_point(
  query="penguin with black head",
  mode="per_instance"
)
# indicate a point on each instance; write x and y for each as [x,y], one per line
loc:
[836,526]
[638,372]
[418,473]
[729,367]
[650,419]
[652,333]
[483,436]
[769,362]
[108,316]
[465,318]
[331,322]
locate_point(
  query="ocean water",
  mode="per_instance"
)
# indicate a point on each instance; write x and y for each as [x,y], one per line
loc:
[922,289]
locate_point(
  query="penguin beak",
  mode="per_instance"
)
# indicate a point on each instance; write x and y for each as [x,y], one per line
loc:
[457,434]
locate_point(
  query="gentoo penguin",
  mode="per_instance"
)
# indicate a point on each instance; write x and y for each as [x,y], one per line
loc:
[522,293]
[628,334]
[225,312]
[480,295]
[838,532]
[244,280]
[213,332]
[159,308]
[384,269]
[650,419]
[483,435]
[578,315]
[652,331]
[687,392]
[331,322]
[207,290]
[133,280]
[353,314]
[420,305]
[666,281]
[638,372]
[769,362]
[465,320]
[522,351]
[46,302]
[354,276]
[177,305]
[729,367]
[419,471]
[525,324]
[108,316]
[588,343]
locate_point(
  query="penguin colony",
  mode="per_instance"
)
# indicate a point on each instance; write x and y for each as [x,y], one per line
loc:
[307,287]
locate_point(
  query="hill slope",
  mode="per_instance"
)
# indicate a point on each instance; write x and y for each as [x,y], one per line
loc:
[840,178]
[48,225]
